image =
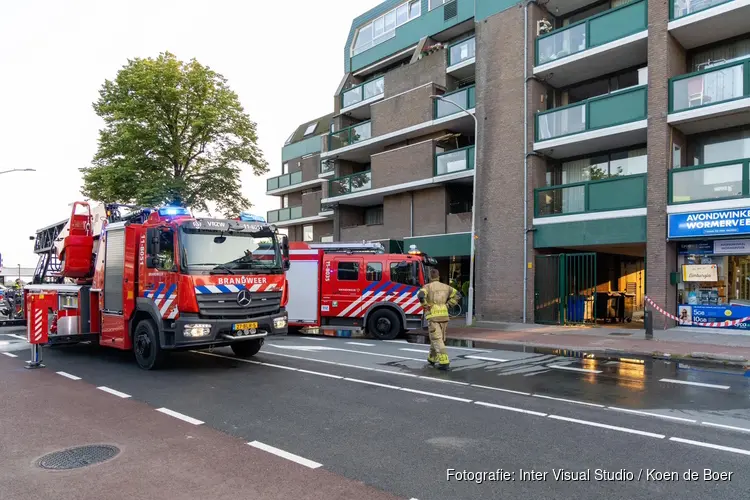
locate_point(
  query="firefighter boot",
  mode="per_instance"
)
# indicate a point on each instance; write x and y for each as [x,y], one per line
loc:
[443,362]
[432,357]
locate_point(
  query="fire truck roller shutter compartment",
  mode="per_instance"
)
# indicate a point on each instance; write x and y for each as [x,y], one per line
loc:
[304,287]
[114,269]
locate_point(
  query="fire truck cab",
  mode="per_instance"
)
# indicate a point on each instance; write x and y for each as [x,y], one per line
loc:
[160,280]
[342,286]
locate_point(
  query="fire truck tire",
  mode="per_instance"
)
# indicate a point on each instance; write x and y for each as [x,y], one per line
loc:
[384,324]
[246,348]
[148,353]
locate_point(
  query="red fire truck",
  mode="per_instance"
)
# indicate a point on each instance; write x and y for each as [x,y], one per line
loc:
[343,286]
[160,280]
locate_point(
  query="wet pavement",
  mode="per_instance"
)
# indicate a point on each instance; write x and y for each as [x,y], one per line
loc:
[376,412]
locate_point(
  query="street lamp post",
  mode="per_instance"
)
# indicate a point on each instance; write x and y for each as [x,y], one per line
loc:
[17,170]
[470,308]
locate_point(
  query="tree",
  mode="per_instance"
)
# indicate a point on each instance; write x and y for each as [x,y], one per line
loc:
[174,133]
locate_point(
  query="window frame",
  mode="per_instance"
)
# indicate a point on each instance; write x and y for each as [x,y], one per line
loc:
[382,36]
[434,4]
[391,268]
[378,273]
[354,263]
[304,233]
[310,129]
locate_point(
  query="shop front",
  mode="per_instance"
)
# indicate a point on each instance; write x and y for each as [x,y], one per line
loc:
[713,259]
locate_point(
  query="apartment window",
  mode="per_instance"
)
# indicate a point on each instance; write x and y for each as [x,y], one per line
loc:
[285,201]
[307,233]
[727,145]
[676,156]
[719,54]
[434,4]
[348,271]
[384,27]
[374,271]
[601,86]
[310,129]
[290,139]
[592,168]
[326,239]
[284,168]
[374,215]
[460,199]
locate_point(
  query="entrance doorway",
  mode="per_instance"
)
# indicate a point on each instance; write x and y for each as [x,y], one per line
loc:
[565,288]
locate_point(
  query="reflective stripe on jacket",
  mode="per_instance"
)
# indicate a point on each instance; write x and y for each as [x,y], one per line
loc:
[435,297]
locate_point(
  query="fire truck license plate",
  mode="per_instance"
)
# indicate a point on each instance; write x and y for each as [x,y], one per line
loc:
[244,326]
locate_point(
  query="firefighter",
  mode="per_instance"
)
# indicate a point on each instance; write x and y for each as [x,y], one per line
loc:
[435,298]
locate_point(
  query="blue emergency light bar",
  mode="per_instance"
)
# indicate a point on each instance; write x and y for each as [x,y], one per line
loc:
[173,211]
[248,217]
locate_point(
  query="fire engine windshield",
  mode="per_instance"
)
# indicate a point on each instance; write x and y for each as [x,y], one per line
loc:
[229,252]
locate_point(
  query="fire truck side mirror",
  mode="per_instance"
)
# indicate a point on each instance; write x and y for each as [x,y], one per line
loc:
[287,264]
[285,247]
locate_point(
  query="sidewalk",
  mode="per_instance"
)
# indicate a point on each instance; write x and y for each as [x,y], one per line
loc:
[160,456]
[706,345]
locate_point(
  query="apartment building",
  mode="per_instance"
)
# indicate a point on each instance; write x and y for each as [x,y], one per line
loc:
[610,148]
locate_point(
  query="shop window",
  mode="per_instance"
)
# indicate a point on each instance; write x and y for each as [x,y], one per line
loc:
[348,271]
[374,271]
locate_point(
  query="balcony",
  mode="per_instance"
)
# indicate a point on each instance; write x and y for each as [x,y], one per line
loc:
[604,43]
[327,168]
[349,135]
[457,160]
[711,99]
[699,22]
[462,58]
[349,184]
[465,97]
[284,214]
[599,196]
[601,123]
[311,210]
[356,100]
[727,180]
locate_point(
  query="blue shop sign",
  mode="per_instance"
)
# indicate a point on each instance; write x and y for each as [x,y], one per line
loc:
[700,315]
[709,223]
[696,248]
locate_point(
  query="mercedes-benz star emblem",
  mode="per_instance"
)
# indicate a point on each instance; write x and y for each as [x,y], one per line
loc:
[243,298]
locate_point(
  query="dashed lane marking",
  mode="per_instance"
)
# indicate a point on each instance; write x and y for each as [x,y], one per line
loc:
[285,454]
[710,445]
[607,426]
[321,374]
[21,337]
[180,416]
[485,358]
[313,338]
[456,382]
[367,382]
[723,426]
[696,384]
[649,414]
[433,394]
[361,343]
[572,369]
[113,392]
[68,375]
[510,408]
[10,355]
[422,351]
[395,341]
[568,400]
[501,389]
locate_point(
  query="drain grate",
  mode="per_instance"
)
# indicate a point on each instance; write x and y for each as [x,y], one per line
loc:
[75,458]
[621,334]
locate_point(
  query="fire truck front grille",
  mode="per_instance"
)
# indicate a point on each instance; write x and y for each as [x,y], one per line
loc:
[225,305]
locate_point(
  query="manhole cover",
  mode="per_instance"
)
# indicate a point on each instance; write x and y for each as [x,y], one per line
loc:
[622,334]
[74,458]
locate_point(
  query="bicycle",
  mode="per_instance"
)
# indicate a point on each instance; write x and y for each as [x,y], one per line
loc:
[455,311]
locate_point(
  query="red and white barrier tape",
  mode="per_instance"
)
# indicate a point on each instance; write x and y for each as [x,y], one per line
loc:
[715,324]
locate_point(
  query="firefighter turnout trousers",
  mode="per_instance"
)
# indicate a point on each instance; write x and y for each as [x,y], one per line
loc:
[435,297]
[438,352]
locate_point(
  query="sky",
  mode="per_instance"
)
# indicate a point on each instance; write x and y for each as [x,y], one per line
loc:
[283,58]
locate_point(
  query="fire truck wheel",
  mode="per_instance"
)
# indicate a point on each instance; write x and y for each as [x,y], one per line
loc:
[246,348]
[148,352]
[384,324]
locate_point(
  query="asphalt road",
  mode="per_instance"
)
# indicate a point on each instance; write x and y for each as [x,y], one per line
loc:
[376,412]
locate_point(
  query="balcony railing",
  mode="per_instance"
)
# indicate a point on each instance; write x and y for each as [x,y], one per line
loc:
[362,92]
[284,214]
[716,181]
[354,183]
[597,30]
[681,8]
[326,166]
[462,51]
[350,135]
[453,161]
[612,109]
[614,193]
[710,86]
[283,181]
[465,97]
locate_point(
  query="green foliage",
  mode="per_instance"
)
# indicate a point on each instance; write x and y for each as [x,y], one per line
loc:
[174,133]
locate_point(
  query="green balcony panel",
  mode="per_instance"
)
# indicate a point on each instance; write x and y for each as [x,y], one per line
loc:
[682,8]
[354,183]
[710,86]
[284,214]
[363,92]
[454,161]
[462,51]
[272,183]
[597,30]
[718,181]
[616,108]
[465,97]
[350,135]
[614,193]
[283,181]
[302,148]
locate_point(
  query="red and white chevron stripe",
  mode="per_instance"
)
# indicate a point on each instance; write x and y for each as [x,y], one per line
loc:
[713,324]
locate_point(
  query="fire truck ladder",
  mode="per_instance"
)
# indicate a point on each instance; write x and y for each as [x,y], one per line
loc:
[48,266]
[349,248]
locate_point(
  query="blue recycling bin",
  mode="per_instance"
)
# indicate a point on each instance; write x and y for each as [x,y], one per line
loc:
[576,308]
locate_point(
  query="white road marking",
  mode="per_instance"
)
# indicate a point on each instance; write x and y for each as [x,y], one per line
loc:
[466,349]
[500,389]
[4,342]
[649,414]
[113,392]
[175,414]
[722,426]
[395,373]
[570,368]
[709,445]
[285,454]
[452,398]
[510,408]
[292,357]
[486,358]
[314,338]
[359,381]
[361,343]
[697,384]
[10,355]
[444,380]
[535,373]
[414,350]
[68,375]
[280,366]
[568,400]
[396,341]
[318,373]
[15,336]
[233,358]
[321,348]
[610,427]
